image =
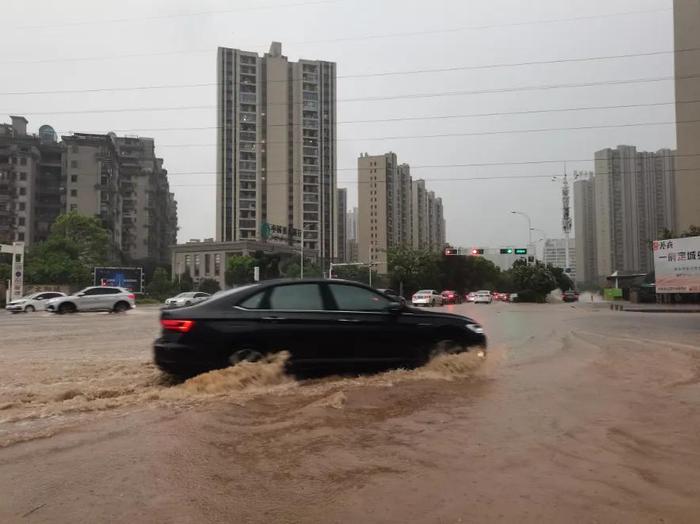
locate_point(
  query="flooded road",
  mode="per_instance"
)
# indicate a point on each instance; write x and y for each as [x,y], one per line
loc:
[578,415]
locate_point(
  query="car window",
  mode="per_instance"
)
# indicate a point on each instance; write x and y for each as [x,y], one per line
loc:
[305,297]
[110,291]
[353,298]
[254,302]
[200,295]
[92,291]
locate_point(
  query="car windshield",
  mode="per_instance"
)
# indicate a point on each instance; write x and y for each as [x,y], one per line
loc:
[188,294]
[425,291]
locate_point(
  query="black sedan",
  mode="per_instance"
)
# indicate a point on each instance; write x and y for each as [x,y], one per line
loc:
[319,322]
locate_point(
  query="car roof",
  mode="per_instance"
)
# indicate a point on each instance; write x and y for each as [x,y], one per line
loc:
[250,289]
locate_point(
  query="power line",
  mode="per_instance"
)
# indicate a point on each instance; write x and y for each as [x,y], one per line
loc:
[322,41]
[438,180]
[363,75]
[387,97]
[443,166]
[176,15]
[476,133]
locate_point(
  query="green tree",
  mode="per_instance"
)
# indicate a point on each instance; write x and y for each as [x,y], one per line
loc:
[269,264]
[692,231]
[563,280]
[532,281]
[184,283]
[356,273]
[290,268]
[411,269]
[87,234]
[57,261]
[160,287]
[209,285]
[239,270]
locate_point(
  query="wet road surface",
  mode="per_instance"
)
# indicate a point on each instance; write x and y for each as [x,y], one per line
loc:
[578,415]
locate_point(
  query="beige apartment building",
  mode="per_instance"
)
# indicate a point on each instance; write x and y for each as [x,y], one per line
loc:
[394,210]
[585,228]
[634,204]
[276,149]
[686,17]
[341,224]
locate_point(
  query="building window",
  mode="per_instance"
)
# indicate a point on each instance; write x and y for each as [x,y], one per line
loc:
[23,177]
[20,237]
[23,161]
[187,264]
[21,221]
[74,207]
[74,178]
[207,264]
[74,192]
[196,265]
[74,163]
[22,190]
[217,264]
[22,206]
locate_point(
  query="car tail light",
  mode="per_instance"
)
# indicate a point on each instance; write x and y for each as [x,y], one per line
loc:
[181,326]
[132,296]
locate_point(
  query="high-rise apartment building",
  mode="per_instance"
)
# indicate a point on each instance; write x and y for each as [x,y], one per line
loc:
[342,210]
[116,179]
[686,20]
[634,204]
[30,182]
[351,232]
[555,254]
[394,210]
[276,148]
[585,228]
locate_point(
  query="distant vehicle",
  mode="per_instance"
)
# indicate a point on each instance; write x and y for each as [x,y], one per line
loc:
[471,296]
[188,298]
[393,295]
[570,296]
[33,302]
[483,297]
[503,297]
[451,297]
[513,297]
[426,297]
[319,322]
[94,298]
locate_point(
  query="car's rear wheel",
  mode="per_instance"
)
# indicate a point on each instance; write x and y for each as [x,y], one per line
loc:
[66,307]
[121,307]
[29,309]
[245,354]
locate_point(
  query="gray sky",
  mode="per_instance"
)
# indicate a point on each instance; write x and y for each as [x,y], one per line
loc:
[52,34]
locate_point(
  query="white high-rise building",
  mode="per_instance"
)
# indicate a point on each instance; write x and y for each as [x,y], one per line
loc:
[555,254]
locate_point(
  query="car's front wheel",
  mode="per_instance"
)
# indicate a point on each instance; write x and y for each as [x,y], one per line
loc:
[29,309]
[245,354]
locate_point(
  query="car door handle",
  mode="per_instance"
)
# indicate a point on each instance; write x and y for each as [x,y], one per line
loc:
[348,320]
[273,318]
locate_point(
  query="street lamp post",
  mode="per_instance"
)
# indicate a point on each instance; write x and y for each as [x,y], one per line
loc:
[529,225]
[544,237]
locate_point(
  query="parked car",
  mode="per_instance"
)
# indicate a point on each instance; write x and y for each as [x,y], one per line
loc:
[451,297]
[570,296]
[33,302]
[483,297]
[94,298]
[471,296]
[426,297]
[393,295]
[513,297]
[319,322]
[189,298]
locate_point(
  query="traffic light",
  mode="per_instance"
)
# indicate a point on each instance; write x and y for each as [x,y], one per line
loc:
[450,251]
[521,251]
[477,251]
[507,251]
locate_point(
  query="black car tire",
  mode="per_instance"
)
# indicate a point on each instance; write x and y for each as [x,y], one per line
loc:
[445,346]
[121,307]
[246,354]
[66,307]
[29,309]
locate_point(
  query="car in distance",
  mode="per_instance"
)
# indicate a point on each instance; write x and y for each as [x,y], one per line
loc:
[570,296]
[392,295]
[94,298]
[33,302]
[426,297]
[189,298]
[471,296]
[483,297]
[318,322]
[451,297]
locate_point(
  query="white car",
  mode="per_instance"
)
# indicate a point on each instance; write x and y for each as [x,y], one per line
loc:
[483,297]
[34,302]
[189,298]
[426,297]
[94,298]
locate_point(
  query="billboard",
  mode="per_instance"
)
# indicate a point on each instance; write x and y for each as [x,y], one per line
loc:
[130,278]
[677,265]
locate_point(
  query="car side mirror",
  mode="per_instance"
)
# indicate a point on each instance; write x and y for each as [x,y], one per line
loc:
[395,307]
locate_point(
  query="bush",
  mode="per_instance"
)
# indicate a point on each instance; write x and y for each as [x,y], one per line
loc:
[528,295]
[209,285]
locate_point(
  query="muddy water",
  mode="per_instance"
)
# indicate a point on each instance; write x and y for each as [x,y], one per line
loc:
[578,415]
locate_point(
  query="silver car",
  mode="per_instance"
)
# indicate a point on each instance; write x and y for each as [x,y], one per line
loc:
[189,298]
[94,298]
[33,302]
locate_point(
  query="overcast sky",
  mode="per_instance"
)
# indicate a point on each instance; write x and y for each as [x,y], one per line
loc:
[43,39]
